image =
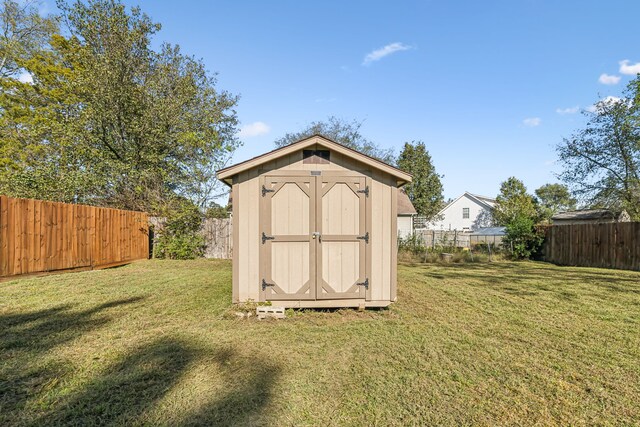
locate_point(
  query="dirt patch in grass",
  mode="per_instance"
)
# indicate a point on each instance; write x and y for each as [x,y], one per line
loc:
[152,343]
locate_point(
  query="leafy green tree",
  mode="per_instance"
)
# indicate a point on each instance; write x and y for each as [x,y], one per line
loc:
[602,161]
[523,237]
[344,132]
[425,191]
[515,209]
[554,198]
[23,34]
[216,211]
[110,121]
[512,202]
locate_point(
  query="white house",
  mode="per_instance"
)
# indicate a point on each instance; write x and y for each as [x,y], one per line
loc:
[467,212]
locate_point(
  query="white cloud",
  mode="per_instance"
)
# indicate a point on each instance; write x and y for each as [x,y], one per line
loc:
[607,79]
[25,77]
[603,102]
[532,121]
[254,129]
[569,110]
[630,69]
[387,50]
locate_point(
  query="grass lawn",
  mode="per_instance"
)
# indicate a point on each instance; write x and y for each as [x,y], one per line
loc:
[156,342]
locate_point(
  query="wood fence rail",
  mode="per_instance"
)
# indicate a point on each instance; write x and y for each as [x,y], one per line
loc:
[40,236]
[611,245]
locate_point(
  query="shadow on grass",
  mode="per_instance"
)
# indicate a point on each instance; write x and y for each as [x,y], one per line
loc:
[25,340]
[35,381]
[129,391]
[39,331]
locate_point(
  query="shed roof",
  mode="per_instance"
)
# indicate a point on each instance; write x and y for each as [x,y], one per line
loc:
[588,214]
[405,207]
[228,172]
[489,231]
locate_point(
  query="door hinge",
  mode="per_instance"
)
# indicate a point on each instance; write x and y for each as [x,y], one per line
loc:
[365,283]
[365,191]
[265,284]
[265,238]
[365,237]
[266,190]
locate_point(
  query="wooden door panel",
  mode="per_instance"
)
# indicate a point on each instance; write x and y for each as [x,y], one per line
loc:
[340,210]
[290,268]
[341,271]
[287,254]
[295,264]
[290,207]
[340,266]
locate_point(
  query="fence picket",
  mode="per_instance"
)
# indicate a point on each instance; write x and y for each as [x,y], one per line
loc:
[608,245]
[40,236]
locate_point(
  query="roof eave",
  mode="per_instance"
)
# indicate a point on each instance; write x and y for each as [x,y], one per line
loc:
[227,173]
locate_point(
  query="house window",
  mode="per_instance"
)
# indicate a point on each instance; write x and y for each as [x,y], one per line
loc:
[465,213]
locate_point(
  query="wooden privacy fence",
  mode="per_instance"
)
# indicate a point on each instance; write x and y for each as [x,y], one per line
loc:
[39,236]
[218,237]
[611,245]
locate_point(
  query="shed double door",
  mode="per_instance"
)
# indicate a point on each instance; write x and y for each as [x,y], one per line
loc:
[314,237]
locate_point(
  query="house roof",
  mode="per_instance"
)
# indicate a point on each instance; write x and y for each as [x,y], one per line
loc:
[228,172]
[405,207]
[486,202]
[588,214]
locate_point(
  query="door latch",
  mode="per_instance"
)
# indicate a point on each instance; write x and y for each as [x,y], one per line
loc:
[317,235]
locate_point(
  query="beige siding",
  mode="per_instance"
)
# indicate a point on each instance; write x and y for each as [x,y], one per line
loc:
[381,236]
[248,236]
[246,200]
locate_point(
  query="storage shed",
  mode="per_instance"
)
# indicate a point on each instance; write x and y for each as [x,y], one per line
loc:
[314,225]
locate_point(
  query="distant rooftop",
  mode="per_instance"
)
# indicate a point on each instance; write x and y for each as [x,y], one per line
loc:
[588,214]
[405,207]
[489,200]
[489,231]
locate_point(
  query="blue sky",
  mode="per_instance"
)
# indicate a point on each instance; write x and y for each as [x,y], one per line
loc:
[490,87]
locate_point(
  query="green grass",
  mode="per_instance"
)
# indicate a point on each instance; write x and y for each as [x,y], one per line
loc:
[156,343]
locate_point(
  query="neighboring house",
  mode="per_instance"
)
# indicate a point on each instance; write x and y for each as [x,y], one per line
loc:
[467,212]
[590,216]
[406,213]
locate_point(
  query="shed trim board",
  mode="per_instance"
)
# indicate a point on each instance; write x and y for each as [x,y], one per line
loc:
[226,173]
[315,234]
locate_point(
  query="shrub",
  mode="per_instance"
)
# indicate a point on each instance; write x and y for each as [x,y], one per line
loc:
[179,237]
[179,246]
[522,237]
[412,244]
